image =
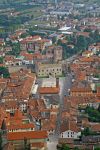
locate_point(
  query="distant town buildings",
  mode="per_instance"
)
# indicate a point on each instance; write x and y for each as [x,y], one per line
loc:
[50,75]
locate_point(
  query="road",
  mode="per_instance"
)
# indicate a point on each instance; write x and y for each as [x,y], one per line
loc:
[65,84]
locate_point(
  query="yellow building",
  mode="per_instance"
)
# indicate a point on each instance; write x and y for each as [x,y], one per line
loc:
[46,70]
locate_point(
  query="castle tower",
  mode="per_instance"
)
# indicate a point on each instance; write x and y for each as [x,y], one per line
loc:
[58,54]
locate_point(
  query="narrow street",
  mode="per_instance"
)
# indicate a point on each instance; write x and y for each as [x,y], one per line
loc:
[65,84]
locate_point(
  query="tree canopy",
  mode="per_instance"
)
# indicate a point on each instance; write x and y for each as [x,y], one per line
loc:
[4,72]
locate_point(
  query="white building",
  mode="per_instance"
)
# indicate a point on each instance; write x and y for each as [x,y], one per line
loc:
[71,131]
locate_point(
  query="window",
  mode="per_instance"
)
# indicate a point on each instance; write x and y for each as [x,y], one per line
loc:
[62,135]
[71,132]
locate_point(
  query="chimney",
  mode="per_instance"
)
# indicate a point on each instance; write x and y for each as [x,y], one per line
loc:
[57,82]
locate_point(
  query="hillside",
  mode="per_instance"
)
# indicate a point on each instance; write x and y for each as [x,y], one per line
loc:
[11,1]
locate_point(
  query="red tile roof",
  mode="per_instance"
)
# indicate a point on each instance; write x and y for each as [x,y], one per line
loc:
[81,89]
[9,58]
[69,125]
[87,59]
[49,90]
[95,127]
[86,34]
[20,126]
[31,39]
[1,65]
[27,55]
[29,135]
[27,86]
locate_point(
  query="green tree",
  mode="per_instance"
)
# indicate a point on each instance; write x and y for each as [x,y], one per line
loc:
[87,30]
[4,71]
[86,131]
[24,35]
[97,148]
[1,60]
[95,36]
[0,141]
[93,114]
[54,39]
[99,108]
[64,147]
[81,42]
[15,49]
[59,42]
[76,148]
[3,126]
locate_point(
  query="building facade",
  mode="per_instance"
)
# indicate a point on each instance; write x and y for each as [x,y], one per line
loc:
[46,70]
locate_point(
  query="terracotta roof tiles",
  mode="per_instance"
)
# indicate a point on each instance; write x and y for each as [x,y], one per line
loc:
[49,90]
[29,135]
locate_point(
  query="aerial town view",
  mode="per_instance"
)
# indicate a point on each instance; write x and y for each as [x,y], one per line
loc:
[49,74]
